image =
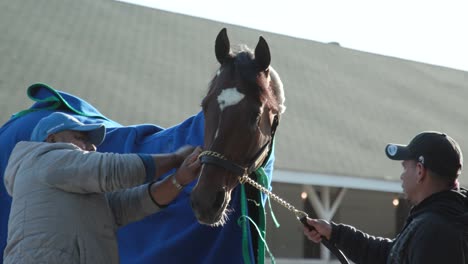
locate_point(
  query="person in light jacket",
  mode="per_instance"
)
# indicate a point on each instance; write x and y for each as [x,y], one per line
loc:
[69,200]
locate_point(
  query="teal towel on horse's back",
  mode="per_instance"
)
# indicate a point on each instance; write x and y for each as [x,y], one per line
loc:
[172,235]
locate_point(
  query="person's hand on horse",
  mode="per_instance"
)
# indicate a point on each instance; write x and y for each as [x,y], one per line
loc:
[321,229]
[190,167]
[182,153]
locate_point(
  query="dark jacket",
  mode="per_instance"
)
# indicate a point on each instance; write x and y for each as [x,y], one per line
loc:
[436,231]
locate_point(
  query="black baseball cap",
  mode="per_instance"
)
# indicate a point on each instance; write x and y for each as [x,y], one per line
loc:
[435,150]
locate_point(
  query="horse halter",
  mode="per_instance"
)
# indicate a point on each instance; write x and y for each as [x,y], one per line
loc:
[218,159]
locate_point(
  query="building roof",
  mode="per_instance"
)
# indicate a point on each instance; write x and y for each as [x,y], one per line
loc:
[141,65]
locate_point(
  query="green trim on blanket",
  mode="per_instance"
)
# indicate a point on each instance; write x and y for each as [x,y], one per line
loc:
[243,223]
[260,226]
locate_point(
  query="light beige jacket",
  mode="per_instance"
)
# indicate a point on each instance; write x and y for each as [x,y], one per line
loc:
[64,209]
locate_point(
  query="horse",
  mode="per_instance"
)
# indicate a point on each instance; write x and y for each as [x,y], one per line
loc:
[242,109]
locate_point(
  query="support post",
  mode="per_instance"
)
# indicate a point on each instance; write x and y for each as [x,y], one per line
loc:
[323,209]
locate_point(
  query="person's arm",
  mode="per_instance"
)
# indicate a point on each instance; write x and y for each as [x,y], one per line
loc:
[359,246]
[165,191]
[72,170]
[133,204]
[356,245]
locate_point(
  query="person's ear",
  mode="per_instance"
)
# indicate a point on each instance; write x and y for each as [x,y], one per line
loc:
[421,172]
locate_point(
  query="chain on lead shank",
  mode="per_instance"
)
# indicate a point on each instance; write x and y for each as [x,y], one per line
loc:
[300,215]
[245,178]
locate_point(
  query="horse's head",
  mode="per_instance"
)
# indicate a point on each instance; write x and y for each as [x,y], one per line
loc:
[241,111]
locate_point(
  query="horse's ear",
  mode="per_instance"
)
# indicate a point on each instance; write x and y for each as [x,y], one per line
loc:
[222,46]
[262,54]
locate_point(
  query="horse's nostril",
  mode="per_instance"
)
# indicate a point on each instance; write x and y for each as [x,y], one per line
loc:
[219,199]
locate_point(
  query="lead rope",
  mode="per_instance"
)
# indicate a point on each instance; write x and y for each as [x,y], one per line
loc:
[245,179]
[300,215]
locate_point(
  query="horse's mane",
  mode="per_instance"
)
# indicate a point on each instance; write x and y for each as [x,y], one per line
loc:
[277,86]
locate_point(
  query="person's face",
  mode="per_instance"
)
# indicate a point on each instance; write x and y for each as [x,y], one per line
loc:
[78,138]
[409,178]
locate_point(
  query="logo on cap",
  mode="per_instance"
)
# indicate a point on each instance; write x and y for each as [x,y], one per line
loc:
[392,150]
[421,159]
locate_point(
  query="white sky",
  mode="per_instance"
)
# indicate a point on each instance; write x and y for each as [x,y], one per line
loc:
[428,31]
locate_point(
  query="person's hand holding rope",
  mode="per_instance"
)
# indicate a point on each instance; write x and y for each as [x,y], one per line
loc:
[321,229]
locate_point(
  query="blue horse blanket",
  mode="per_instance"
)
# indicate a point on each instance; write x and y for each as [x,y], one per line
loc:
[172,235]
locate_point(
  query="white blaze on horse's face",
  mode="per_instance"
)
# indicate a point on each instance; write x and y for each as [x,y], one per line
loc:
[228,97]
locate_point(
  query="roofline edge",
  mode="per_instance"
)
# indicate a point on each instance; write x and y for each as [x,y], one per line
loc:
[284,176]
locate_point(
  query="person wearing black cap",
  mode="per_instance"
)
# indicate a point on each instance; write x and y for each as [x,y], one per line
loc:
[69,200]
[436,230]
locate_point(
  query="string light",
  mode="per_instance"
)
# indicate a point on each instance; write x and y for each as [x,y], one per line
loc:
[395,202]
[304,195]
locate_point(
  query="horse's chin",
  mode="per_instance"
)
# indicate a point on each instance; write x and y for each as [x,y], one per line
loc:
[220,218]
